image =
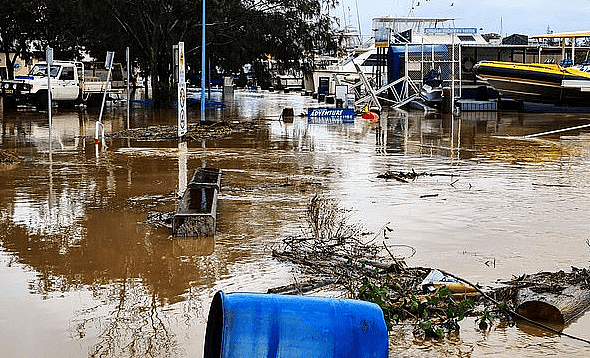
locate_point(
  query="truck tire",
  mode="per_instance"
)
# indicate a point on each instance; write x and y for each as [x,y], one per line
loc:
[80,99]
[94,100]
[8,102]
[41,100]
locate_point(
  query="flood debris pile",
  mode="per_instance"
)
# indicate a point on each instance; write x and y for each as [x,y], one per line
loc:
[401,176]
[554,282]
[206,130]
[337,255]
[160,219]
[7,157]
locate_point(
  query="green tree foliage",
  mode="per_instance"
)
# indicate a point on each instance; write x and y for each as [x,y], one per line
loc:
[17,30]
[29,26]
[61,25]
[150,28]
[288,31]
[237,32]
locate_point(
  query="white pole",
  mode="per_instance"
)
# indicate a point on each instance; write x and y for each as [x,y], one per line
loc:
[203,65]
[459,70]
[109,65]
[182,167]
[422,61]
[573,51]
[406,72]
[182,123]
[49,58]
[453,73]
[128,92]
[557,131]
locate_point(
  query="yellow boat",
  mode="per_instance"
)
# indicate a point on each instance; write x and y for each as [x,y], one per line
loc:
[538,82]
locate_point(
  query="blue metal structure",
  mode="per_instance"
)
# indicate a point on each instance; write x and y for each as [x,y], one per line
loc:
[396,59]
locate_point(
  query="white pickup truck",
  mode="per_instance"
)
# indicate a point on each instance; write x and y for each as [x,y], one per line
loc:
[70,84]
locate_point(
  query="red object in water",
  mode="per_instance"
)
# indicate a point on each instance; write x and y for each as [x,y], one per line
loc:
[371,117]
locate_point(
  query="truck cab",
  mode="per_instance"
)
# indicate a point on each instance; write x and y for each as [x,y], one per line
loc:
[66,82]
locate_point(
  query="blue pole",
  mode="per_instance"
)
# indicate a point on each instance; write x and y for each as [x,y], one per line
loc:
[203,66]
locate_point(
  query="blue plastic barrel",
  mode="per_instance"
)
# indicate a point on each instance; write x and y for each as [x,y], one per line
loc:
[268,325]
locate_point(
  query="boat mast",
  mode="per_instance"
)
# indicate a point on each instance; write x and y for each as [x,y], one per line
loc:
[411,12]
[358,19]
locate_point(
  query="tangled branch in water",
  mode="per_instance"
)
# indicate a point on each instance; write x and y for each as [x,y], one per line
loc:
[405,177]
[337,253]
[334,251]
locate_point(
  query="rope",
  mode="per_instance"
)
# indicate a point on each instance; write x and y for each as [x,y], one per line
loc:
[557,131]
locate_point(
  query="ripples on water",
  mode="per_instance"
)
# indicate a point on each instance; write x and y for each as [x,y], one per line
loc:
[83,274]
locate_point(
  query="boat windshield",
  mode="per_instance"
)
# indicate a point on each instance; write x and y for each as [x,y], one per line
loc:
[41,70]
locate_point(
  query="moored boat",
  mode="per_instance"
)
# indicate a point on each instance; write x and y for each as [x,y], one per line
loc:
[537,82]
[432,90]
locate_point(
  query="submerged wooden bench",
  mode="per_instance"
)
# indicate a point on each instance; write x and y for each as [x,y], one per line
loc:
[196,214]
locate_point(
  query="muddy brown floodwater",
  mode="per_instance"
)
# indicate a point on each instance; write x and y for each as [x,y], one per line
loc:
[82,274]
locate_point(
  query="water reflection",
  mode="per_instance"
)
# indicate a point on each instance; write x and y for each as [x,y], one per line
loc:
[182,167]
[471,135]
[77,221]
[135,326]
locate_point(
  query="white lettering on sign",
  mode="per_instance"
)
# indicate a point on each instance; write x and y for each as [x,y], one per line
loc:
[326,112]
[330,115]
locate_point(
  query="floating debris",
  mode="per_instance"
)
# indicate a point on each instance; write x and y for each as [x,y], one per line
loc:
[158,219]
[207,130]
[428,196]
[151,201]
[338,255]
[7,157]
[405,177]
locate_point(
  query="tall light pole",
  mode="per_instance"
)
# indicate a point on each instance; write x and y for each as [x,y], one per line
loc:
[49,60]
[203,66]
[127,57]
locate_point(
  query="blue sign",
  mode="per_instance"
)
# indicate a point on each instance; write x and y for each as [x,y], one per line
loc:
[330,115]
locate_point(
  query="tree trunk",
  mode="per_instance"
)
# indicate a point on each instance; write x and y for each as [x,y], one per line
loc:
[155,84]
[160,84]
[9,65]
[552,307]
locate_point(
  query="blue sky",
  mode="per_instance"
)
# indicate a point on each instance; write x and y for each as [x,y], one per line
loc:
[508,16]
